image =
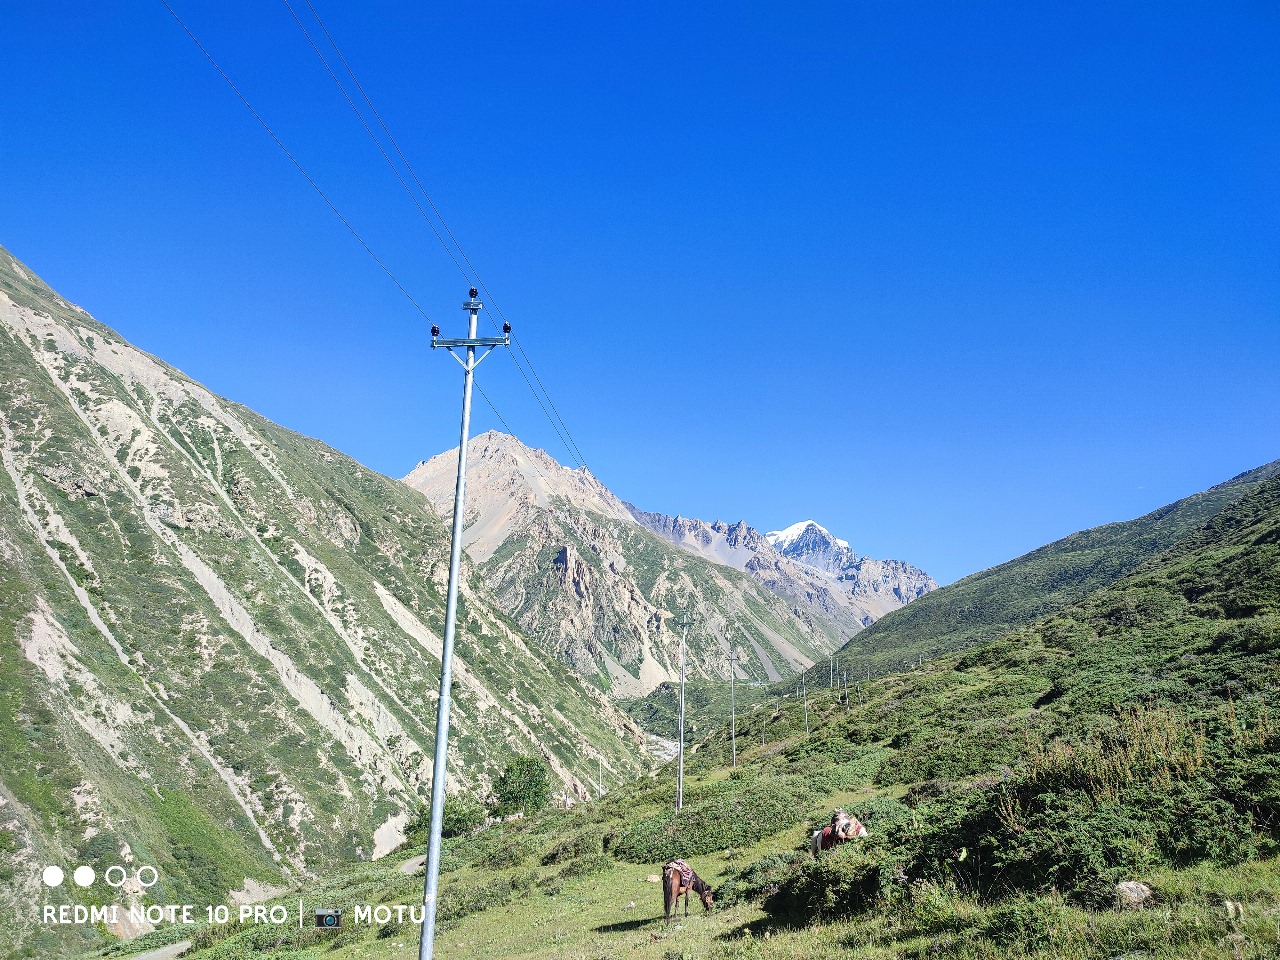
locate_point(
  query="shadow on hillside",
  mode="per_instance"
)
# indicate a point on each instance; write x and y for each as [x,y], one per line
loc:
[627,926]
[763,925]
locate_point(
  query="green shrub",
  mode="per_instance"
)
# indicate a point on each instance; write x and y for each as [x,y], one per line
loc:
[846,880]
[936,909]
[463,813]
[523,787]
[1028,923]
[463,900]
[503,852]
[761,878]
[582,845]
[725,814]
[881,815]
[592,863]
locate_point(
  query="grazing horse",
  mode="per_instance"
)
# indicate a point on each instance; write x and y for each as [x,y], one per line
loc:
[678,878]
[842,827]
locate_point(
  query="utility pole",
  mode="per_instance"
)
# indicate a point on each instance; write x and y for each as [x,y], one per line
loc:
[733,708]
[438,772]
[684,630]
[804,691]
[845,681]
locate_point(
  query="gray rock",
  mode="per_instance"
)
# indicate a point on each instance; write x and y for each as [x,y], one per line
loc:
[1132,895]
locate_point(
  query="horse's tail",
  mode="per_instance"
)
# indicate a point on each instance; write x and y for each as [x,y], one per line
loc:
[670,886]
[817,842]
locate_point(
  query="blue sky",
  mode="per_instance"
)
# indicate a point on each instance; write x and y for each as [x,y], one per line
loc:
[952,279]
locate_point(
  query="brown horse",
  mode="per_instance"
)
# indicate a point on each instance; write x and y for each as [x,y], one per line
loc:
[678,879]
[843,827]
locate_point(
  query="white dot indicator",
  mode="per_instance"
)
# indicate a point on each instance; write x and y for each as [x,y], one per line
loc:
[84,876]
[53,876]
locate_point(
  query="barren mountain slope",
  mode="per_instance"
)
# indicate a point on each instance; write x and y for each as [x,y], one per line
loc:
[575,567]
[854,592]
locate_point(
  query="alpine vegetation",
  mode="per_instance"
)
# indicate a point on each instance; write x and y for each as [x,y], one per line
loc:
[219,640]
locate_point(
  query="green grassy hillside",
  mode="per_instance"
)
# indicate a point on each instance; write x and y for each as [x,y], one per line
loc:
[1133,736]
[985,605]
[219,639]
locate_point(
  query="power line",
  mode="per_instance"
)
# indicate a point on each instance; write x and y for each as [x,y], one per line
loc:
[359,116]
[485,396]
[562,429]
[294,160]
[569,445]
[400,153]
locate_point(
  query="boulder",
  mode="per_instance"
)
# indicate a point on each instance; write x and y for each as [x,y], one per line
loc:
[1132,895]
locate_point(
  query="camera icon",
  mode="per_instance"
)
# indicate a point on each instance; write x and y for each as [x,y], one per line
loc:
[328,919]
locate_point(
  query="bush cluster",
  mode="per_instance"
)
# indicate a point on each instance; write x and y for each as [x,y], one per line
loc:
[845,880]
[580,845]
[461,900]
[733,813]
[1148,789]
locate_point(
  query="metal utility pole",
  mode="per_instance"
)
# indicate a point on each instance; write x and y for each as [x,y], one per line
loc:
[438,773]
[804,691]
[684,630]
[733,708]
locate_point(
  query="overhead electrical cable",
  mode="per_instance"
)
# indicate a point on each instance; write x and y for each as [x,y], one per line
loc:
[376,142]
[294,160]
[346,223]
[480,390]
[569,445]
[562,429]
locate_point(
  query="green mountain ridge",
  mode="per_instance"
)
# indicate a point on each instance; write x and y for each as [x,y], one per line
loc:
[219,639]
[987,604]
[1132,736]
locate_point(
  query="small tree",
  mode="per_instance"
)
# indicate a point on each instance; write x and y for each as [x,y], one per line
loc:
[525,786]
[462,814]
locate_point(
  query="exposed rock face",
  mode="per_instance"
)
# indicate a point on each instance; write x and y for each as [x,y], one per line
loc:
[819,574]
[581,571]
[883,582]
[596,578]
[219,627]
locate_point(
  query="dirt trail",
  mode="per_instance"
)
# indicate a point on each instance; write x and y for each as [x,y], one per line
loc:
[413,865]
[170,952]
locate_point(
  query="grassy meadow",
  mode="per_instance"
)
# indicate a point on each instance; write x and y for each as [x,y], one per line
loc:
[1007,789]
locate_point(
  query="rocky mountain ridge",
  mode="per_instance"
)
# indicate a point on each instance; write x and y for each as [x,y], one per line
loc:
[813,569]
[601,581]
[811,544]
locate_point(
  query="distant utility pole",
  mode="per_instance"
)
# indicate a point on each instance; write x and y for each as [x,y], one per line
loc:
[844,678]
[684,630]
[438,774]
[804,691]
[733,708]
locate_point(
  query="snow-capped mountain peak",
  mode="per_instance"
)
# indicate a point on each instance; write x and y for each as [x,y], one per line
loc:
[781,539]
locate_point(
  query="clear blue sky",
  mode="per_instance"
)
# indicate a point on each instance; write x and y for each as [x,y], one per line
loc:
[953,279]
